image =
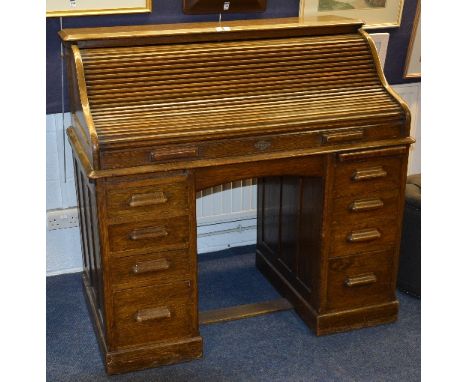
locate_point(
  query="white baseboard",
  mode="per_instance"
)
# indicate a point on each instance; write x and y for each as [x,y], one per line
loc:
[64,271]
[216,237]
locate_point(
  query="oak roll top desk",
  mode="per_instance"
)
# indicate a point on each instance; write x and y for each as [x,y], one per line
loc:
[160,112]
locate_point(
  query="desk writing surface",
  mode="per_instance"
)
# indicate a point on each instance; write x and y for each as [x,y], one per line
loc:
[160,112]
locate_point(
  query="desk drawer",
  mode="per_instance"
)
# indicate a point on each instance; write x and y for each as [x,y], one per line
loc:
[359,174]
[367,206]
[150,269]
[151,314]
[157,200]
[366,235]
[239,146]
[158,234]
[360,280]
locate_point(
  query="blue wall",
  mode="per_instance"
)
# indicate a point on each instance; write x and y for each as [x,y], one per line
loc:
[170,11]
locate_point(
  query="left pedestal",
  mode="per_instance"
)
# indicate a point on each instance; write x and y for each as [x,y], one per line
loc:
[140,271]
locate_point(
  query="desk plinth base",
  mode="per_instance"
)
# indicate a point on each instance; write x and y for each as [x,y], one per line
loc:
[330,322]
[139,358]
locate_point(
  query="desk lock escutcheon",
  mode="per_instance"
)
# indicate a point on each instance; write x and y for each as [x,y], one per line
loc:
[262,145]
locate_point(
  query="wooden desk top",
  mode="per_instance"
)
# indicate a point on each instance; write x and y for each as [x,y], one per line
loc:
[207,31]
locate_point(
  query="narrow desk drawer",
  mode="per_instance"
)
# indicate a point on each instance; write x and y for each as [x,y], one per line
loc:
[268,143]
[157,200]
[367,206]
[148,234]
[366,235]
[150,269]
[360,174]
[151,314]
[360,280]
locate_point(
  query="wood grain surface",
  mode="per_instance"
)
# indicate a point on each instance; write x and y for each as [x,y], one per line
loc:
[160,112]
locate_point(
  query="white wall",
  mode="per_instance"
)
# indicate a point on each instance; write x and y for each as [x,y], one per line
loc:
[62,246]
[411,93]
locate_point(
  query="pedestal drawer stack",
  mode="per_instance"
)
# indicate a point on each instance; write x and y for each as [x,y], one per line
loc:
[152,272]
[365,228]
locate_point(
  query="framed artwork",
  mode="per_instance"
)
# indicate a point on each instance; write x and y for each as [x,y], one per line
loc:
[375,13]
[413,57]
[60,8]
[223,6]
[381,44]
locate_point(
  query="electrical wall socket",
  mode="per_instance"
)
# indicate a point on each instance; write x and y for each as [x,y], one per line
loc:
[63,218]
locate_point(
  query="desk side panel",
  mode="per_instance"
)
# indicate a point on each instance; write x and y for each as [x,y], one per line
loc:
[93,276]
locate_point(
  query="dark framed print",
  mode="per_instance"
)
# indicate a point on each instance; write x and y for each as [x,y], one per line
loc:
[223,6]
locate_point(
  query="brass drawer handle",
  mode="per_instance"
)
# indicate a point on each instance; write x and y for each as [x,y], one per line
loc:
[366,205]
[174,153]
[366,279]
[151,266]
[140,200]
[342,136]
[152,314]
[369,173]
[364,235]
[148,233]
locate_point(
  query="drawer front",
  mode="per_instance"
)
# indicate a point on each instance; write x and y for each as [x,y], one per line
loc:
[148,202]
[151,314]
[150,269]
[368,174]
[365,235]
[366,206]
[360,280]
[158,234]
[246,146]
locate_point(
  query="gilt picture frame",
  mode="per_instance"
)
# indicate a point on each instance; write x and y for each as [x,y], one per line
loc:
[375,13]
[413,57]
[63,8]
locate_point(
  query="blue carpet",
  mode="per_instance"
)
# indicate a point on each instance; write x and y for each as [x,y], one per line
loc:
[274,347]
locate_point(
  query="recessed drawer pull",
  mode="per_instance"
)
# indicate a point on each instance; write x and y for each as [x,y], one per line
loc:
[369,173]
[152,314]
[343,136]
[174,153]
[366,279]
[148,233]
[391,151]
[364,235]
[366,205]
[152,198]
[151,266]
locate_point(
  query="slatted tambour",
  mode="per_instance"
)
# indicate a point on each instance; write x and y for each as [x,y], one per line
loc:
[210,90]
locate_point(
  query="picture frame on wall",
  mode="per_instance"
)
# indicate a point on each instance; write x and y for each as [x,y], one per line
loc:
[375,13]
[381,44]
[62,8]
[413,57]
